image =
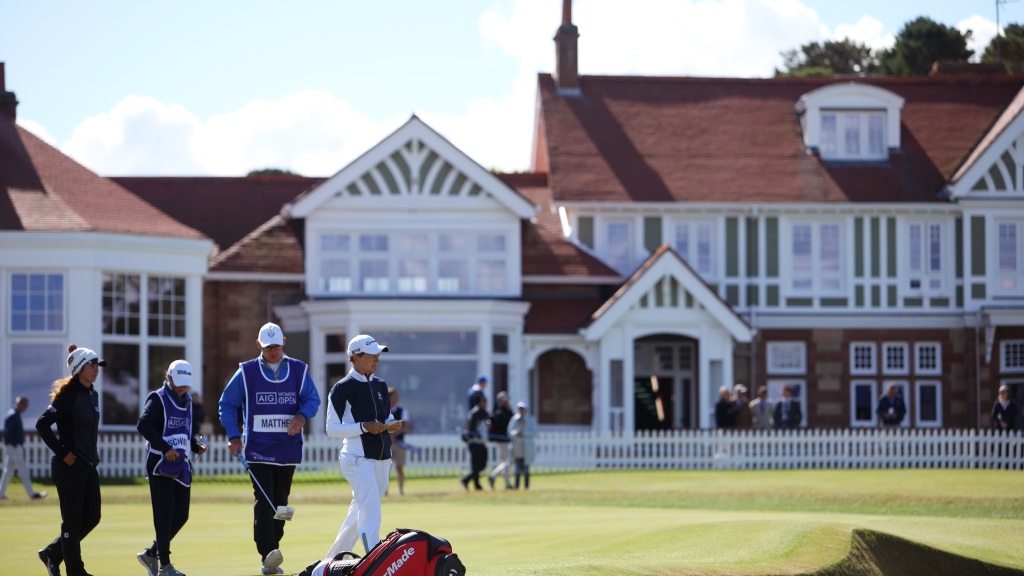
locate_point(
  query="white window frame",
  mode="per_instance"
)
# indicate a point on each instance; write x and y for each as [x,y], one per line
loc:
[786,357]
[1008,266]
[905,386]
[1011,349]
[893,370]
[835,144]
[9,296]
[819,275]
[697,234]
[477,250]
[619,258]
[918,421]
[926,260]
[872,386]
[775,385]
[869,346]
[919,368]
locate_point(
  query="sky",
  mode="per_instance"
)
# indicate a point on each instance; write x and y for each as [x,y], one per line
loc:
[221,88]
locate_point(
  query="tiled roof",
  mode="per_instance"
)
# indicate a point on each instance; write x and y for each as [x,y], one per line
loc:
[545,250]
[274,247]
[650,139]
[41,189]
[553,312]
[225,209]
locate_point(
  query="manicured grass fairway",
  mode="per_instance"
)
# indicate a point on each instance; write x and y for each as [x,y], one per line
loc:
[650,523]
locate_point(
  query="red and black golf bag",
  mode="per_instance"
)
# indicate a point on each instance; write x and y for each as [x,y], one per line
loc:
[404,552]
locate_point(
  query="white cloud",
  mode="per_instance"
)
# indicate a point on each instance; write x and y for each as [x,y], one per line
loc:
[38,129]
[982,30]
[868,31]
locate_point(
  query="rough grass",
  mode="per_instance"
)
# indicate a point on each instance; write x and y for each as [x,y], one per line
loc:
[821,523]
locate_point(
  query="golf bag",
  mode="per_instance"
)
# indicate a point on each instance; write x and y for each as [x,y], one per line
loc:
[403,552]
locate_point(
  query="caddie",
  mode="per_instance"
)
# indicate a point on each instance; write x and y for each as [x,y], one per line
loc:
[276,397]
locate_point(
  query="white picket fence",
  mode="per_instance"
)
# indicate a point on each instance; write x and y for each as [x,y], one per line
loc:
[123,454]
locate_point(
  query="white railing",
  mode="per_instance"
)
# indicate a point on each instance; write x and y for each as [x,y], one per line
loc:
[123,454]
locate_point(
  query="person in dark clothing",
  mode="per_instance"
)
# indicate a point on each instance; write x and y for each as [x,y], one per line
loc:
[14,451]
[788,414]
[75,409]
[1004,411]
[498,433]
[891,408]
[198,414]
[474,433]
[725,409]
[166,424]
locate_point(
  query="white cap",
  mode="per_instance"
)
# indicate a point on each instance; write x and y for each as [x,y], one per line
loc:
[80,357]
[364,344]
[180,372]
[522,404]
[270,335]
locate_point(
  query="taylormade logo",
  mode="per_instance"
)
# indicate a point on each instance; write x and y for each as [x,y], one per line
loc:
[397,564]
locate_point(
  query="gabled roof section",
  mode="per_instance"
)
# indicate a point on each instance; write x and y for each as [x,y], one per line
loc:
[665,265]
[224,208]
[682,139]
[43,190]
[275,247]
[413,162]
[991,169]
[549,256]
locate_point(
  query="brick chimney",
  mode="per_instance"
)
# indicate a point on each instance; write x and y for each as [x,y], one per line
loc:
[8,103]
[567,74]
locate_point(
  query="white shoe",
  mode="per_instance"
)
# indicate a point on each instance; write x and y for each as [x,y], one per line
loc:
[272,563]
[150,562]
[169,570]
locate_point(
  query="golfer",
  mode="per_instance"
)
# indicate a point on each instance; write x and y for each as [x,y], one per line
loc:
[277,397]
[166,424]
[75,409]
[359,412]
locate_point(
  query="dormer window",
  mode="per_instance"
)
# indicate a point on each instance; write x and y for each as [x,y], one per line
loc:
[851,122]
[853,135]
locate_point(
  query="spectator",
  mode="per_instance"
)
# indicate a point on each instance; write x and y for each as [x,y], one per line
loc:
[725,409]
[761,410]
[198,414]
[891,408]
[787,411]
[398,446]
[14,452]
[741,405]
[477,390]
[284,388]
[522,428]
[498,434]
[1004,411]
[474,433]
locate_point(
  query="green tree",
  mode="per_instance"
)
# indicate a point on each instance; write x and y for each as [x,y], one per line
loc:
[827,58]
[271,171]
[1009,48]
[920,44]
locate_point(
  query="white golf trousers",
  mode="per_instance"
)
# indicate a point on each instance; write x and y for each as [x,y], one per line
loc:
[14,459]
[369,480]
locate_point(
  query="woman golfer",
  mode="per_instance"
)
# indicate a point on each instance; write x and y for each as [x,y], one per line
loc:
[166,424]
[75,409]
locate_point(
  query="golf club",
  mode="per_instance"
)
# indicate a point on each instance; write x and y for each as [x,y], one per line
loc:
[195,455]
[280,512]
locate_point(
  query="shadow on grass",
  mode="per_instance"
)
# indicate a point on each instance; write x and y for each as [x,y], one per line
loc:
[879,554]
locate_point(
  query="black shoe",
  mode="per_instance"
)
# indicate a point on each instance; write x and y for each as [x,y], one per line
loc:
[465,483]
[40,495]
[52,568]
